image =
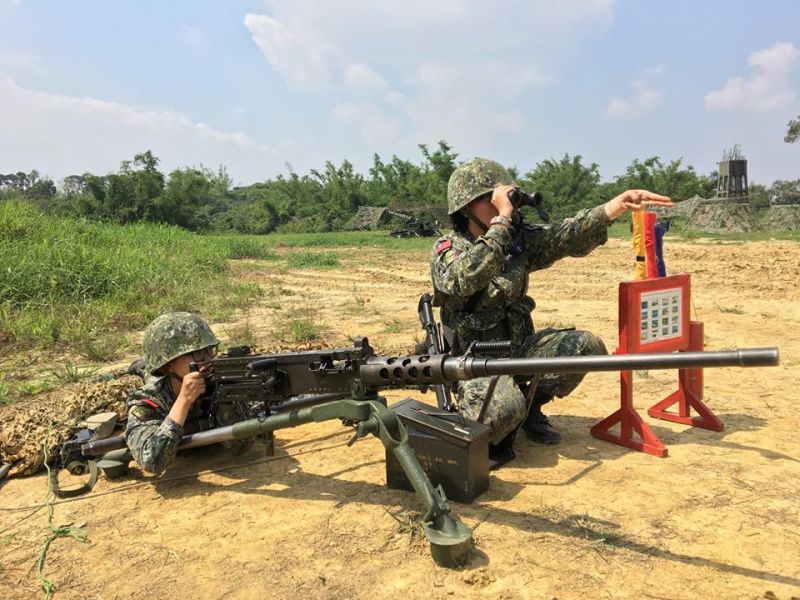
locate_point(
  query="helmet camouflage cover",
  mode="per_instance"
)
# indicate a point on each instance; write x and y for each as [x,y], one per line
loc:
[473,179]
[172,335]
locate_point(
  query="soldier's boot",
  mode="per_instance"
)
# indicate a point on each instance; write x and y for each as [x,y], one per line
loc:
[538,428]
[502,452]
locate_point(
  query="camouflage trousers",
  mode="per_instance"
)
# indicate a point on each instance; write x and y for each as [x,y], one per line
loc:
[508,408]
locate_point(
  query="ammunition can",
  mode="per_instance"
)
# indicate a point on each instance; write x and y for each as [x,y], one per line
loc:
[453,450]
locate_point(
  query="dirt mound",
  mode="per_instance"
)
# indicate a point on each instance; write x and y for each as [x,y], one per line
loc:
[784,217]
[24,427]
[723,217]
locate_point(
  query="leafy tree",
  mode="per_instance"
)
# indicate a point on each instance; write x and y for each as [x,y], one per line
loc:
[567,185]
[671,179]
[793,131]
[129,195]
[442,160]
[185,193]
[785,192]
[759,195]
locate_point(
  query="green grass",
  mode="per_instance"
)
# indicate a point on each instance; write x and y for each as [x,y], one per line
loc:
[347,239]
[242,334]
[70,283]
[678,230]
[313,260]
[393,327]
[735,310]
[70,372]
[299,331]
[240,246]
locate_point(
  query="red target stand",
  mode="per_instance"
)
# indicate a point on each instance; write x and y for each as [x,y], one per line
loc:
[654,317]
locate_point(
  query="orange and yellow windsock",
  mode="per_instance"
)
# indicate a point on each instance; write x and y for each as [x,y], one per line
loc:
[644,245]
[638,245]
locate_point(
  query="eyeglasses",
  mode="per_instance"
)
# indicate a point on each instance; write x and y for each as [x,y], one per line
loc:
[206,353]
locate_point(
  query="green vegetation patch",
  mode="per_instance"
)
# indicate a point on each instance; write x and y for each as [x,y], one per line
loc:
[348,239]
[72,281]
[239,247]
[313,260]
[299,330]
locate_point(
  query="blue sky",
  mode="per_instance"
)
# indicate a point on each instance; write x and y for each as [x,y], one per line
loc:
[257,86]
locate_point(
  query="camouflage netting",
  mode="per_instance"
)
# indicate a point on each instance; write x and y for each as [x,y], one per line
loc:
[784,217]
[723,217]
[24,426]
[370,217]
[684,208]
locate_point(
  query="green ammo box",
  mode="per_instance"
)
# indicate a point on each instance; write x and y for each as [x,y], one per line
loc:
[453,450]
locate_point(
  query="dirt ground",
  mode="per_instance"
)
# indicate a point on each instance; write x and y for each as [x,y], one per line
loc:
[718,518]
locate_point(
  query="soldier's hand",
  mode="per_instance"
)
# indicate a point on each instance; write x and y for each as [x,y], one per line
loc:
[501,201]
[192,387]
[634,200]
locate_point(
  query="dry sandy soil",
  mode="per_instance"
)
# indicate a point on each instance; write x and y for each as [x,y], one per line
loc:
[718,518]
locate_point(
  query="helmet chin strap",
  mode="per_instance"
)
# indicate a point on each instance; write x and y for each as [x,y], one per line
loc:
[483,226]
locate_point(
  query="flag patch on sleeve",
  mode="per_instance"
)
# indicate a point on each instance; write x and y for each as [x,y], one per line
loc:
[442,246]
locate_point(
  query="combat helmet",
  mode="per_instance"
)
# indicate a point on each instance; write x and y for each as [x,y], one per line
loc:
[472,179]
[172,335]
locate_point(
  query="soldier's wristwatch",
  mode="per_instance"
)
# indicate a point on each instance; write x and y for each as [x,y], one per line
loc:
[501,220]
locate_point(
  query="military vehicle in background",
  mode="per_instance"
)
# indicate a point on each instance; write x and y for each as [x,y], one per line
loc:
[400,225]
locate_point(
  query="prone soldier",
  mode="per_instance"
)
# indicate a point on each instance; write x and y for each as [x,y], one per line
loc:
[159,411]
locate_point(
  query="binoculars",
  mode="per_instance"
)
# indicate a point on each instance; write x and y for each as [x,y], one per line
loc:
[519,199]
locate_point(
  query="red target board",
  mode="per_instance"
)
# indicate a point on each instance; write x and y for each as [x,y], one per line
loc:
[654,317]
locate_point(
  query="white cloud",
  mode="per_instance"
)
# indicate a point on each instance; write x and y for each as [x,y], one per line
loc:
[20,61]
[644,100]
[360,77]
[766,88]
[375,127]
[73,134]
[294,52]
[483,69]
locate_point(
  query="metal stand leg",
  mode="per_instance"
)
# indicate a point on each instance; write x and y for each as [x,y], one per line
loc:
[689,393]
[629,423]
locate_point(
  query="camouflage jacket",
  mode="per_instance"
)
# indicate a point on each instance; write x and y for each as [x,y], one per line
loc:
[483,290]
[152,436]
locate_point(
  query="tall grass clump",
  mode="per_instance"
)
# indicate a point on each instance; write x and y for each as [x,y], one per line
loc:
[313,260]
[238,246]
[71,281]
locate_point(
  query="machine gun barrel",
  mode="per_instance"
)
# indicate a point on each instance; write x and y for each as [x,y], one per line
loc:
[481,367]
[431,370]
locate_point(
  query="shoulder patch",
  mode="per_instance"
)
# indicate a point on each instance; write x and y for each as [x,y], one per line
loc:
[149,402]
[144,413]
[443,246]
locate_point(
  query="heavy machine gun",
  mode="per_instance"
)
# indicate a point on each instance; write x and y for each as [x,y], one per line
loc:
[252,395]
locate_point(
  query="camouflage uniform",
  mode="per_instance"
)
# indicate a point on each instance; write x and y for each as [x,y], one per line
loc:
[152,436]
[482,291]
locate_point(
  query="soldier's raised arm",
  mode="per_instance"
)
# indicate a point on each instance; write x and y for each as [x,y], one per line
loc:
[579,235]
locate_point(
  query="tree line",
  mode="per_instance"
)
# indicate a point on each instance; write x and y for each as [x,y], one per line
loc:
[200,199]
